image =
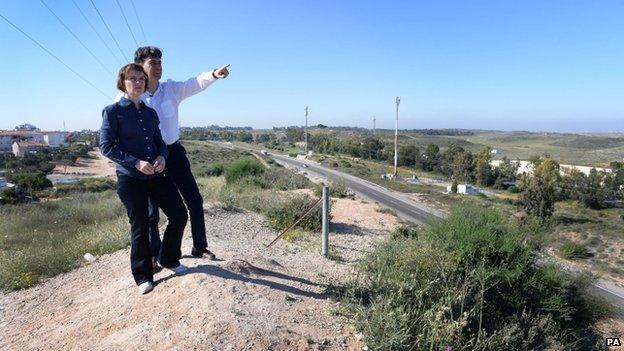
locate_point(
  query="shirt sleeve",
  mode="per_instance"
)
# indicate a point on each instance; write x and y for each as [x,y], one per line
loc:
[192,86]
[108,141]
[158,140]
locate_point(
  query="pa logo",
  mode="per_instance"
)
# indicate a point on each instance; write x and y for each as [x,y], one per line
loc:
[613,342]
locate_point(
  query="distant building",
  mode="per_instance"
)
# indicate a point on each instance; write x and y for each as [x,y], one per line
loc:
[3,183]
[50,138]
[465,189]
[21,148]
[27,127]
[494,152]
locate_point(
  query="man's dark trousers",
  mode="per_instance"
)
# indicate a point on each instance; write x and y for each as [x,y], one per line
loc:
[134,194]
[179,170]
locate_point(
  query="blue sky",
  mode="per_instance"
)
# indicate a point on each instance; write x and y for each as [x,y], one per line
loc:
[507,65]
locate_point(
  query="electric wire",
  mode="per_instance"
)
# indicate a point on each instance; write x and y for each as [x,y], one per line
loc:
[139,20]
[97,33]
[55,57]
[77,39]
[108,28]
[127,24]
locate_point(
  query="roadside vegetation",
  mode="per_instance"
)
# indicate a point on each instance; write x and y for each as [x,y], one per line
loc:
[468,282]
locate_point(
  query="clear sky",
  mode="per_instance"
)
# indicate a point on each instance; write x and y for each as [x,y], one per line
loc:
[510,65]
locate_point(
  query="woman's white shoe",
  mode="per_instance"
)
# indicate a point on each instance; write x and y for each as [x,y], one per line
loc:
[146,287]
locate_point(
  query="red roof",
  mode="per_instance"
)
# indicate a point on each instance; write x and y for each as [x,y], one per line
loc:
[19,132]
[31,144]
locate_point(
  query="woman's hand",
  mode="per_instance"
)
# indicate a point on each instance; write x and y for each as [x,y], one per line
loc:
[145,167]
[159,164]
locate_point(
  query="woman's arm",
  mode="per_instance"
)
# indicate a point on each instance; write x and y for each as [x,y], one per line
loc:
[108,140]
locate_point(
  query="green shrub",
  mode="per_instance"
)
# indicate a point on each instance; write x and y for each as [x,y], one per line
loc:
[87,185]
[336,189]
[9,196]
[468,282]
[31,181]
[242,168]
[214,170]
[571,250]
[513,189]
[284,213]
[404,232]
[280,178]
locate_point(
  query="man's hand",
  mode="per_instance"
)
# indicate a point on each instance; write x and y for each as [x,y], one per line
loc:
[221,73]
[159,164]
[145,167]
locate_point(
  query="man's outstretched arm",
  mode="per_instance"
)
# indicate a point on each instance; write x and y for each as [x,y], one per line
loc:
[182,90]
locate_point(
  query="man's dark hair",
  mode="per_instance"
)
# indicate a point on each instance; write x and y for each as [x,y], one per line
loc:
[143,53]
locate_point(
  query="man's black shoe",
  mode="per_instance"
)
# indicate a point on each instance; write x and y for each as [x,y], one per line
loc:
[203,253]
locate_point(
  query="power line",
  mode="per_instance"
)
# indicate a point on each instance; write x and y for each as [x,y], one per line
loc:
[108,28]
[77,39]
[96,32]
[127,24]
[55,57]
[138,20]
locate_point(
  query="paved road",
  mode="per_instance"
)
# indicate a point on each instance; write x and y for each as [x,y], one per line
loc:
[412,211]
[401,204]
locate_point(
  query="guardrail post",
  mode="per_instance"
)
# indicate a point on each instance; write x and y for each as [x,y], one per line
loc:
[325,241]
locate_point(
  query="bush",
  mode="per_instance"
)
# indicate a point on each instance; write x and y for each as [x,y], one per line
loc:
[9,196]
[87,185]
[214,170]
[468,282]
[333,164]
[282,179]
[283,214]
[31,181]
[336,189]
[570,250]
[513,189]
[403,232]
[242,168]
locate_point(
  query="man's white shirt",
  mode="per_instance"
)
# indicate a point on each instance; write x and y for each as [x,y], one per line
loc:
[167,98]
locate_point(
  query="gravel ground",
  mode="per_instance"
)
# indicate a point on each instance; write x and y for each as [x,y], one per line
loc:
[253,298]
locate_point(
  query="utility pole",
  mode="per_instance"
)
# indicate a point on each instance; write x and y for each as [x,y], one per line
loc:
[396,136]
[373,125]
[305,132]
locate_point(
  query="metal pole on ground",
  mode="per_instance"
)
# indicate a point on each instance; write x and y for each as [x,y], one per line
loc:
[325,242]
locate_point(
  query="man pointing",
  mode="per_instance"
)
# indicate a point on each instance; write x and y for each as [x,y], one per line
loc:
[165,97]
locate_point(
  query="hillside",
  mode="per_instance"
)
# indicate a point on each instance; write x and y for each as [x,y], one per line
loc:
[254,298]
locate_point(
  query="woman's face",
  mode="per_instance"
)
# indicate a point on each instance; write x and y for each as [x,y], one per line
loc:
[135,83]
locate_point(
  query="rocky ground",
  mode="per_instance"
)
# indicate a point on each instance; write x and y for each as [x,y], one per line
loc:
[253,298]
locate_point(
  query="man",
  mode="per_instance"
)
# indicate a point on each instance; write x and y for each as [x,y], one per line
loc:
[165,98]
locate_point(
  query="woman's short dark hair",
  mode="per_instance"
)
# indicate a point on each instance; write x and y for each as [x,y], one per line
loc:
[123,73]
[143,53]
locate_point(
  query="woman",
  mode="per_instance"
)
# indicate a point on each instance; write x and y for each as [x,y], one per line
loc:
[131,138]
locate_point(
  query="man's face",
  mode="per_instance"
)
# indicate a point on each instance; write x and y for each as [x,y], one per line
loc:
[153,68]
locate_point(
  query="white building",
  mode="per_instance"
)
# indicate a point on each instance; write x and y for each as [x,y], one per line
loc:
[527,167]
[465,189]
[8,137]
[55,139]
[21,148]
[50,138]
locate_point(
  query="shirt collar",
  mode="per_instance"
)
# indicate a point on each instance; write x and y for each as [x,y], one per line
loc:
[124,101]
